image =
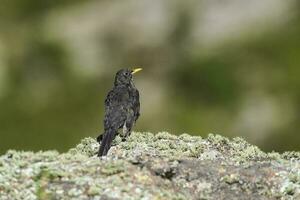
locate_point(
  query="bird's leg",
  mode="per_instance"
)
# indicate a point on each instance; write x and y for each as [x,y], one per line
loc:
[117,133]
[125,132]
[127,129]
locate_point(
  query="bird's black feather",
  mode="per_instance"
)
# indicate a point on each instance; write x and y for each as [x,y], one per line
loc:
[122,109]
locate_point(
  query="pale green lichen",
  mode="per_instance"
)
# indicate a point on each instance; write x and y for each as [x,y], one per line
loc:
[113,167]
[291,155]
[163,144]
[230,179]
[291,183]
[151,166]
[87,146]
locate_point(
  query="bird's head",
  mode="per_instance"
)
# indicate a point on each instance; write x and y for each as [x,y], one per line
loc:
[124,76]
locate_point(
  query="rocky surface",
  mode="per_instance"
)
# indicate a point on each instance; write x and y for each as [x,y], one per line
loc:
[148,166]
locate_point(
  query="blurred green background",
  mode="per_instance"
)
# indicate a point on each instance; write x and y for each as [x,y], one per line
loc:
[209,66]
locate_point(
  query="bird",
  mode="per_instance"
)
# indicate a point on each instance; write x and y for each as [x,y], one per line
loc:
[122,109]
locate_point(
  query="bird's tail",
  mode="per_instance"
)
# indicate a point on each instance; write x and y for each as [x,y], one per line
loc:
[107,139]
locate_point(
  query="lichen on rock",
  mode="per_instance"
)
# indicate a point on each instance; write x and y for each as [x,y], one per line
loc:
[153,166]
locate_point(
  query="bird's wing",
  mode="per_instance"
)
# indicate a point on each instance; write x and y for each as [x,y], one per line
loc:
[116,108]
[136,105]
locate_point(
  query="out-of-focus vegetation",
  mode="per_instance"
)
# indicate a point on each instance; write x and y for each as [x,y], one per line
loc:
[208,66]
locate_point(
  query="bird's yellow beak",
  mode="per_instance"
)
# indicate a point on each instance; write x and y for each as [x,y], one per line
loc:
[136,70]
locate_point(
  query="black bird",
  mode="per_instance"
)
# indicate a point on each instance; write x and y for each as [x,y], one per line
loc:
[122,109]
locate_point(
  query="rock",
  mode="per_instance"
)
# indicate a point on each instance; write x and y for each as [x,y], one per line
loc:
[148,166]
